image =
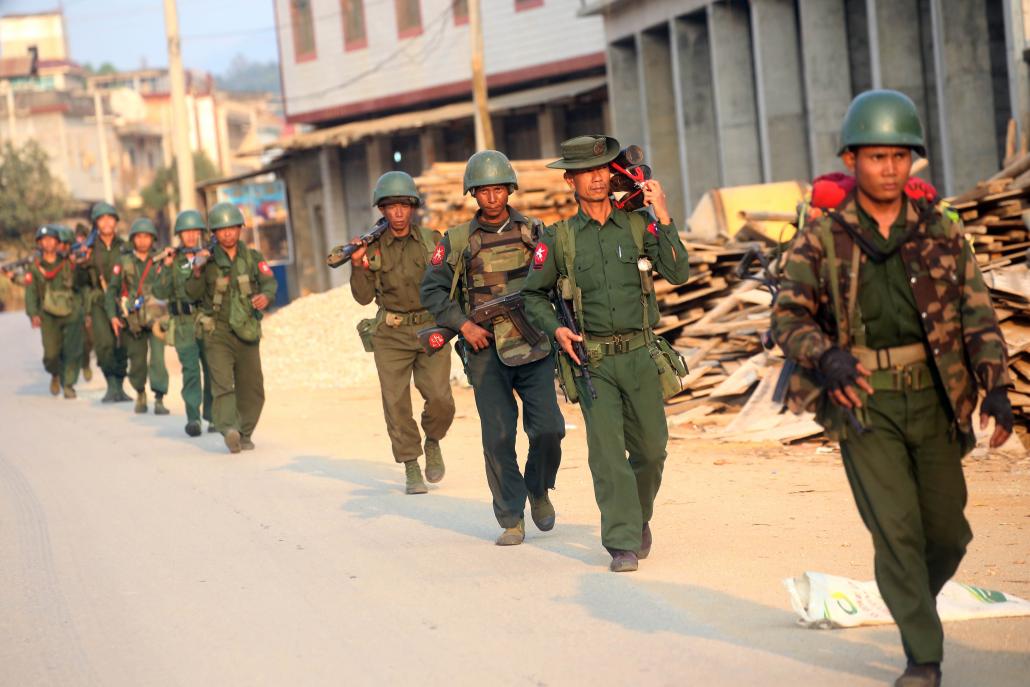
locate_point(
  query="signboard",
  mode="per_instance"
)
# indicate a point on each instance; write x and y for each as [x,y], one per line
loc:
[268,223]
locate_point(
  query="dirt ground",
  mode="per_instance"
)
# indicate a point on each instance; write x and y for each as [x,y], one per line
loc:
[133,555]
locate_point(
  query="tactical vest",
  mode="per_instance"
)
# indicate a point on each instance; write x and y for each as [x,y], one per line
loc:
[488,265]
[375,259]
[57,297]
[233,288]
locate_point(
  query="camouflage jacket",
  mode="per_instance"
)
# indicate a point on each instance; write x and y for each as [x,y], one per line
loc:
[964,342]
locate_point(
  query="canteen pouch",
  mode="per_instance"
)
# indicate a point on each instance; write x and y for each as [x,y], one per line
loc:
[671,366]
[205,325]
[58,303]
[367,331]
[567,378]
[242,320]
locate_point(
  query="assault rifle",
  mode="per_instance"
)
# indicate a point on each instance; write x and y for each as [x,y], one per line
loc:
[341,254]
[512,305]
[81,248]
[17,265]
[566,318]
[629,172]
[198,260]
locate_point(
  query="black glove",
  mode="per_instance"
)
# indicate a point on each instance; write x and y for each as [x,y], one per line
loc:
[996,404]
[839,369]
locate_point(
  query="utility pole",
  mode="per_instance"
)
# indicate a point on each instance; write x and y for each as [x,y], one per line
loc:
[9,91]
[481,113]
[180,125]
[105,164]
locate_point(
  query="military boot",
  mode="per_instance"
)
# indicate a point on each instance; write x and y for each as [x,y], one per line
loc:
[232,440]
[87,373]
[920,675]
[413,476]
[645,542]
[211,429]
[159,405]
[119,391]
[193,428]
[111,395]
[623,561]
[513,536]
[69,392]
[246,444]
[542,510]
[434,461]
[55,385]
[141,402]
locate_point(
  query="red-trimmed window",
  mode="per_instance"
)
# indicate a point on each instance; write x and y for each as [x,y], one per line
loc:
[303,22]
[354,35]
[527,4]
[409,18]
[461,12]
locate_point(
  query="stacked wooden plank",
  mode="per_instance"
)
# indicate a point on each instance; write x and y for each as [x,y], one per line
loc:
[994,214]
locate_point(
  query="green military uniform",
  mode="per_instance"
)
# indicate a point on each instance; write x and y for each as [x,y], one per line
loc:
[52,294]
[111,354]
[628,415]
[914,309]
[130,296]
[232,328]
[183,332]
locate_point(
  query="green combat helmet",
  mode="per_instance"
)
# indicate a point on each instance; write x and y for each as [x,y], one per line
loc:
[143,226]
[100,209]
[489,168]
[882,118]
[396,185]
[65,234]
[224,215]
[187,220]
[50,230]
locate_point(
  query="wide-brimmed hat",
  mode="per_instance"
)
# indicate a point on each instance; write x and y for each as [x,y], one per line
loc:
[586,152]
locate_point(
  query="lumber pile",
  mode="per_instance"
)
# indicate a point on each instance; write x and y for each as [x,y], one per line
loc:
[542,194]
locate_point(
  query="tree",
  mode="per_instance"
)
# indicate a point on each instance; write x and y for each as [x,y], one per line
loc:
[29,194]
[164,189]
[246,76]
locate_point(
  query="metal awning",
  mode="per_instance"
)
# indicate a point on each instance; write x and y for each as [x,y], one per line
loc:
[267,169]
[345,134]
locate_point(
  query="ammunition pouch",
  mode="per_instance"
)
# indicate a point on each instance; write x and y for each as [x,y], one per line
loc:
[671,366]
[366,331]
[567,373]
[58,302]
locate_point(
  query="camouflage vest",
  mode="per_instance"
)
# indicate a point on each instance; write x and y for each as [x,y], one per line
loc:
[489,265]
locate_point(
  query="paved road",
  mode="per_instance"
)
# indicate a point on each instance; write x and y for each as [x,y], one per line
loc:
[132,555]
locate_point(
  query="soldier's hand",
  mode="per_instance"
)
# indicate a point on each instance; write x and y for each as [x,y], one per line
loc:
[996,404]
[842,373]
[357,258]
[116,325]
[37,321]
[259,301]
[654,196]
[169,257]
[477,337]
[565,338]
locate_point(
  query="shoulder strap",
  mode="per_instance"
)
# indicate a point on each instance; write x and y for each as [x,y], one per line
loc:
[428,241]
[825,233]
[637,227]
[458,237]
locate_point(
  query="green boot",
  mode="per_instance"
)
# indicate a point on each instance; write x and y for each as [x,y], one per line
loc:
[119,391]
[434,461]
[542,510]
[232,440]
[55,384]
[159,405]
[246,444]
[141,402]
[111,395]
[193,428]
[69,392]
[513,536]
[413,475]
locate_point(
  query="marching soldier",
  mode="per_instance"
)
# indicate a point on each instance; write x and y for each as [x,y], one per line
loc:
[87,321]
[235,287]
[390,272]
[884,309]
[54,306]
[101,260]
[606,255]
[477,262]
[131,306]
[177,268]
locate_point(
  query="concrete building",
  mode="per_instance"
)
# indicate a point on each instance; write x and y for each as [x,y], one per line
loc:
[733,92]
[387,85]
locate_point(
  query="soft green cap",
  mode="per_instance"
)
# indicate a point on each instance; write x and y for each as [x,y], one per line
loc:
[143,225]
[489,168]
[586,152]
[882,118]
[100,209]
[224,215]
[189,219]
[396,185]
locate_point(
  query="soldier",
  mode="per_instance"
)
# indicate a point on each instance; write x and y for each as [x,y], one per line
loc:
[131,305]
[177,268]
[390,274]
[54,306]
[235,286]
[606,255]
[476,262]
[101,259]
[884,309]
[87,321]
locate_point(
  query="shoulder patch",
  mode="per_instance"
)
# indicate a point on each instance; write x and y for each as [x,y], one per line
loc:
[28,277]
[117,269]
[438,254]
[539,256]
[264,268]
[652,229]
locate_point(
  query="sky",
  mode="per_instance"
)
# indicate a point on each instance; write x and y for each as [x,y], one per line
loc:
[130,33]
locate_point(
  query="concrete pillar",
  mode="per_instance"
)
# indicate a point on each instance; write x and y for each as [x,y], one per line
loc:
[858,41]
[734,84]
[430,140]
[624,92]
[1018,73]
[376,152]
[780,94]
[699,135]
[962,65]
[334,228]
[660,127]
[547,124]
[827,79]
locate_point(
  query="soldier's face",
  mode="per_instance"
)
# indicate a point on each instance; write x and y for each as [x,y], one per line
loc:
[880,171]
[228,237]
[106,225]
[591,185]
[48,244]
[190,238]
[142,242]
[492,200]
[397,214]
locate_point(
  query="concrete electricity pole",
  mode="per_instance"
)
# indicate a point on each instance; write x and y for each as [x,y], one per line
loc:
[105,163]
[180,124]
[9,93]
[481,113]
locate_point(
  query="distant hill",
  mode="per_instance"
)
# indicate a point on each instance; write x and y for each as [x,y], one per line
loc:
[245,76]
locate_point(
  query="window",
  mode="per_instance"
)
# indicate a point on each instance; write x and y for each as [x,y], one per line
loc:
[527,4]
[303,23]
[354,37]
[409,18]
[461,11]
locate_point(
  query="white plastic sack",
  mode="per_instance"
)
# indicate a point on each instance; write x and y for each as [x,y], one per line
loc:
[827,601]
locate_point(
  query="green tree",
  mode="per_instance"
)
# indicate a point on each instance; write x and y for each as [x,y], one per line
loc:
[164,189]
[29,194]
